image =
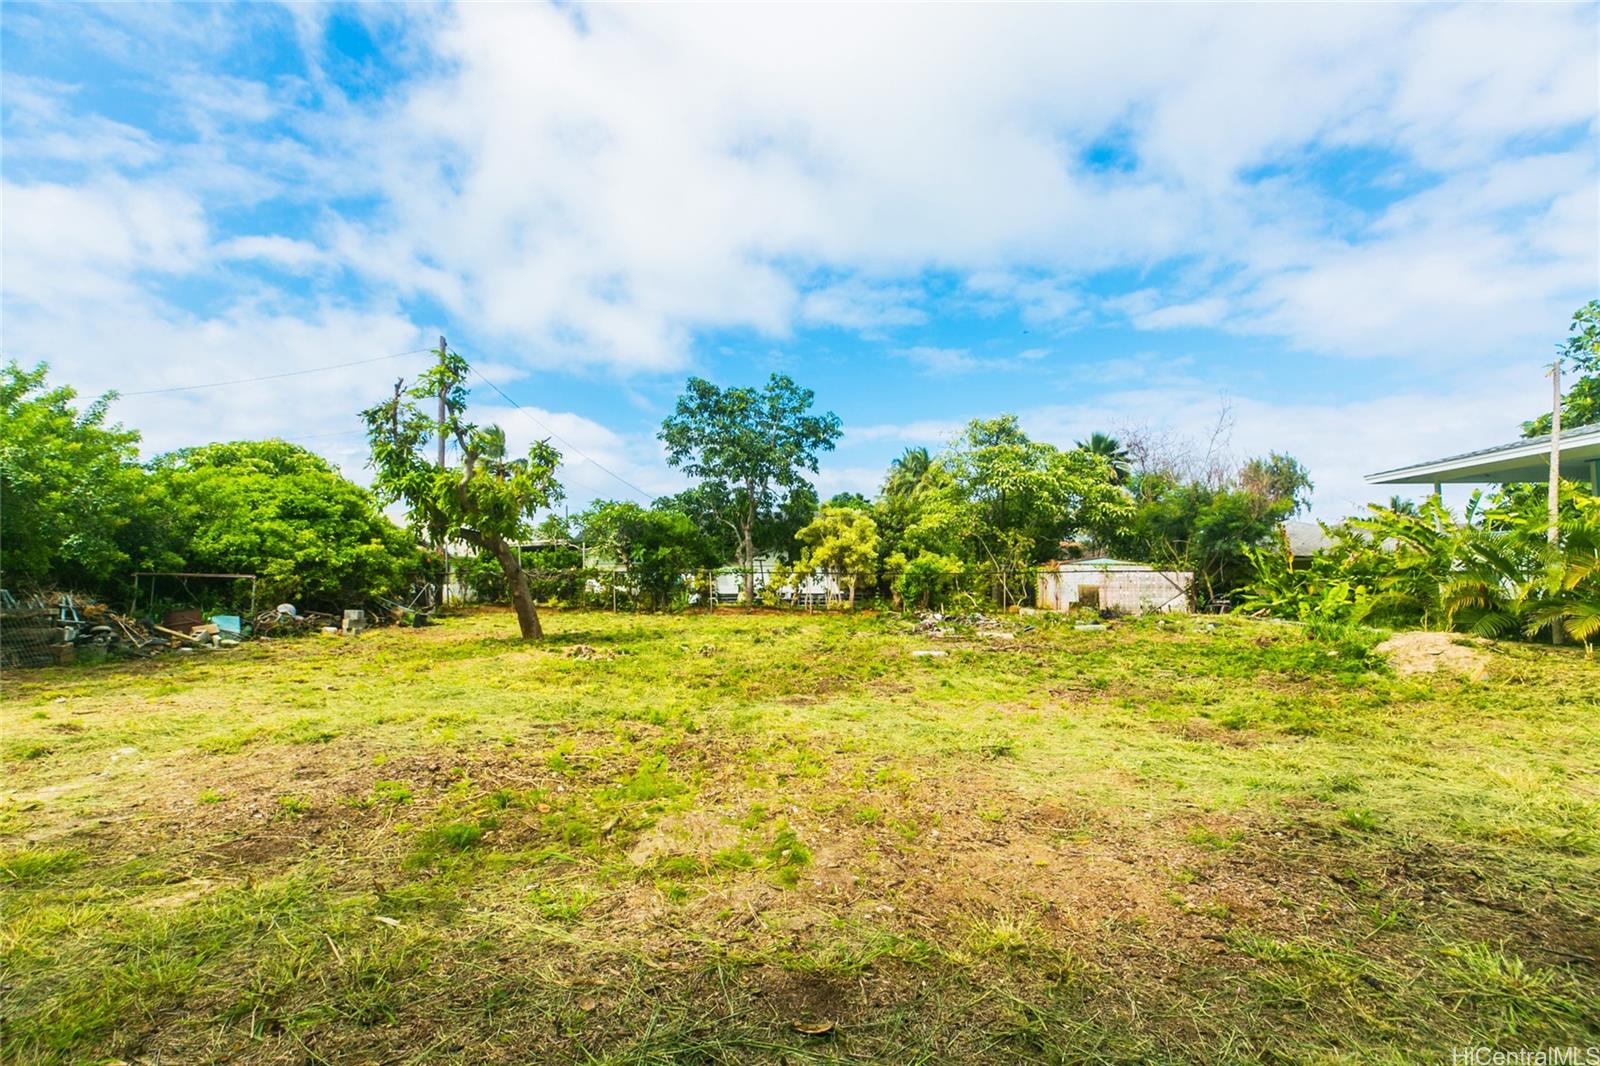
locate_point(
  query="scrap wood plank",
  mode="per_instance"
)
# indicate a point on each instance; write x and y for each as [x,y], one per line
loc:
[175,633]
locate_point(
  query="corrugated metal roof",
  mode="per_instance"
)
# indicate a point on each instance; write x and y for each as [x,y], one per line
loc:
[1573,438]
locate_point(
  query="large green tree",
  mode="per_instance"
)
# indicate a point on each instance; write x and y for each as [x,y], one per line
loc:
[279,511]
[1028,495]
[1208,529]
[488,501]
[1281,480]
[70,485]
[752,447]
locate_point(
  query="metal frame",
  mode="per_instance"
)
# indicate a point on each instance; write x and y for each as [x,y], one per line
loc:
[153,574]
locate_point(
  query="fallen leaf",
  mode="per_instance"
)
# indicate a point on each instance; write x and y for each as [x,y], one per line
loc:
[587,1003]
[386,920]
[813,1028]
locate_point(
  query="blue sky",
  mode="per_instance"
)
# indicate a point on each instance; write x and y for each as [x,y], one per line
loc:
[1353,233]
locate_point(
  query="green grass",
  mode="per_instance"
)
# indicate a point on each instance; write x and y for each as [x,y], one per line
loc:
[1171,840]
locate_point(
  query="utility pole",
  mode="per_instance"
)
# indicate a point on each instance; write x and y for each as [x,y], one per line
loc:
[441,403]
[1555,448]
[1553,534]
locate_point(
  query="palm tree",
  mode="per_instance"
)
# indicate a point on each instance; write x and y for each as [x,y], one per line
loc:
[1401,505]
[907,473]
[1111,450]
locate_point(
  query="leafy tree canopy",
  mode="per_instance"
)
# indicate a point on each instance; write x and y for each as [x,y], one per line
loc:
[70,485]
[753,447]
[1580,405]
[659,547]
[1281,480]
[284,513]
[842,540]
[487,502]
[1028,495]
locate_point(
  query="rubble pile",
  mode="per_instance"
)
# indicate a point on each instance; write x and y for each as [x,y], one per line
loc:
[60,628]
[284,620]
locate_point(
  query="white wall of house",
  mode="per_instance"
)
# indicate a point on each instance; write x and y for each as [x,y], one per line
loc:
[1125,589]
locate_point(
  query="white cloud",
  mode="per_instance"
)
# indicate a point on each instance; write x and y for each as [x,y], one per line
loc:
[594,189]
[1339,441]
[280,251]
[865,308]
[941,361]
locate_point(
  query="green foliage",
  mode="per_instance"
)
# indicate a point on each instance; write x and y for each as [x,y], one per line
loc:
[658,547]
[279,511]
[1026,495]
[1194,526]
[555,574]
[71,490]
[751,447]
[908,473]
[991,507]
[1281,480]
[1111,450]
[1580,405]
[927,579]
[1492,572]
[843,541]
[488,501]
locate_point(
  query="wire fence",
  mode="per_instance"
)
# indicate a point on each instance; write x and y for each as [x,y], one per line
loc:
[618,587]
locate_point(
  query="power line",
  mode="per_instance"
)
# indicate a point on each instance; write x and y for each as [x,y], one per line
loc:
[641,493]
[271,377]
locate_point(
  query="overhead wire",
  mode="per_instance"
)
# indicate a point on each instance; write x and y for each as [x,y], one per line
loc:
[272,377]
[641,493]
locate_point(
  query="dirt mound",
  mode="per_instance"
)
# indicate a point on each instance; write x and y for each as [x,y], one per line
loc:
[1432,653]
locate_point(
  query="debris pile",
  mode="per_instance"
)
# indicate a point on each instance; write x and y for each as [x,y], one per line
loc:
[283,620]
[932,623]
[60,628]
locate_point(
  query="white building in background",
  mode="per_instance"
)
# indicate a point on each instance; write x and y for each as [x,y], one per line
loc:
[1113,585]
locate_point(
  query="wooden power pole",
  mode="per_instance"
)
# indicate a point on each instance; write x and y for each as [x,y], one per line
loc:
[442,411]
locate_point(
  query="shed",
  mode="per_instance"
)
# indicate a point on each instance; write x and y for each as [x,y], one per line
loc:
[1113,585]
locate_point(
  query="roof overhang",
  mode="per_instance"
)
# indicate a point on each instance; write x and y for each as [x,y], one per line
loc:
[1519,461]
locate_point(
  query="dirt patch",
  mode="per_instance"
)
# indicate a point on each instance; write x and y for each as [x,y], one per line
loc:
[1432,653]
[690,833]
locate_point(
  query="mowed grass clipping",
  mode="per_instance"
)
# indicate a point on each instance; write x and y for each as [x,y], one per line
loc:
[784,837]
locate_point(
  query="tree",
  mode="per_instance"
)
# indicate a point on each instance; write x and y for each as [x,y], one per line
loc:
[657,547]
[1028,495]
[279,511]
[754,445]
[850,499]
[1279,480]
[1111,450]
[843,540]
[488,502]
[908,473]
[1581,350]
[70,484]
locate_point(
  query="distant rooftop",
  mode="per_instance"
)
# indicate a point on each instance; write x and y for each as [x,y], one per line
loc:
[1305,538]
[1519,461]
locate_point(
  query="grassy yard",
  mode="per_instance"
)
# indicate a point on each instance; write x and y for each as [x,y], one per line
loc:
[784,837]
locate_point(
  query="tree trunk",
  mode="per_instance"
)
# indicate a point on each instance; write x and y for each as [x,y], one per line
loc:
[852,592]
[521,595]
[747,548]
